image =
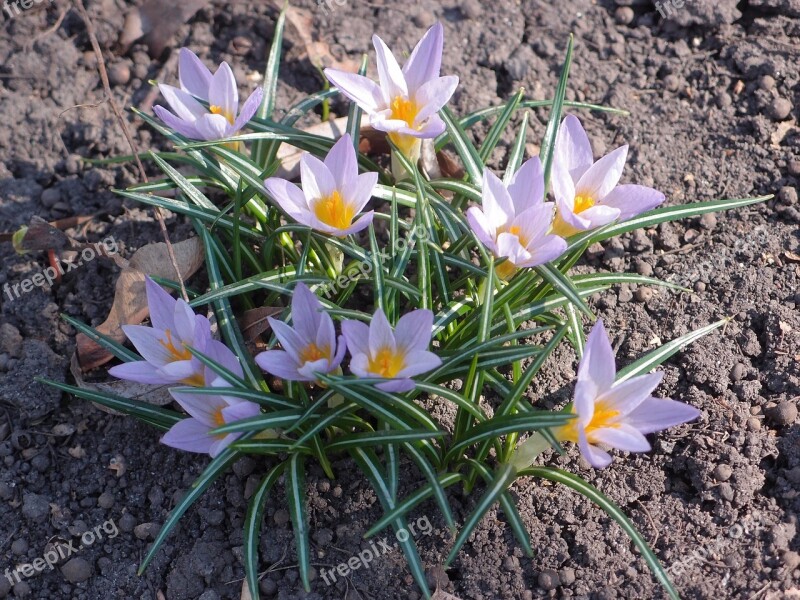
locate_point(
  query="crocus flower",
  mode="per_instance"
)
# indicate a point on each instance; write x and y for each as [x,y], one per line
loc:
[378,351]
[333,192]
[407,101]
[586,192]
[165,345]
[190,118]
[208,412]
[515,221]
[616,414]
[309,347]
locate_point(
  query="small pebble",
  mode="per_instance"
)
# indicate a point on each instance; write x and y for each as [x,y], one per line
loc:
[722,472]
[624,294]
[6,491]
[50,197]
[106,500]
[268,587]
[567,576]
[624,15]
[643,294]
[35,508]
[672,83]
[726,491]
[22,590]
[5,587]
[127,522]
[780,109]
[753,424]
[699,287]
[644,268]
[784,413]
[766,82]
[19,547]
[738,372]
[119,74]
[77,570]
[281,517]
[145,531]
[794,168]
[548,580]
[471,9]
[788,195]
[708,221]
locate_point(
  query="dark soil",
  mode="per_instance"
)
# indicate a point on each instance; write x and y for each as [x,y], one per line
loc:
[712,90]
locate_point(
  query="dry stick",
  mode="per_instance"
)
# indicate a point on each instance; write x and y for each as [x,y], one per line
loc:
[101,66]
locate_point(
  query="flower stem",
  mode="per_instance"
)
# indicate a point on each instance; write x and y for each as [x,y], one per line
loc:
[526,453]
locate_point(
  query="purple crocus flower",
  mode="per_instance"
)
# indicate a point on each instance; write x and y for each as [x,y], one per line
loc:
[586,192]
[208,412]
[515,221]
[406,103]
[616,414]
[309,347]
[165,345]
[333,192]
[397,355]
[222,119]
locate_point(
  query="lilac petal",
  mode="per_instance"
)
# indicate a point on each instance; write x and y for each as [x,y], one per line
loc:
[629,394]
[596,457]
[306,316]
[224,356]
[359,366]
[563,186]
[482,229]
[432,96]
[397,386]
[508,245]
[341,348]
[182,104]
[182,370]
[418,362]
[184,323]
[356,336]
[316,177]
[185,128]
[240,411]
[425,61]
[602,176]
[359,192]
[194,75]
[341,162]
[534,222]
[278,363]
[632,200]
[547,249]
[361,90]
[527,185]
[573,151]
[220,445]
[224,92]
[201,407]
[148,342]
[565,213]
[212,127]
[249,109]
[393,83]
[599,215]
[139,371]
[310,369]
[160,304]
[414,330]
[381,335]
[289,197]
[497,204]
[622,437]
[289,339]
[655,414]
[433,127]
[598,359]
[190,435]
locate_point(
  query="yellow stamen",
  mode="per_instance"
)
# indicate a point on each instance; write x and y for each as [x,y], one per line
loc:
[603,416]
[334,211]
[506,270]
[312,353]
[196,380]
[386,363]
[175,353]
[218,110]
[404,109]
[582,203]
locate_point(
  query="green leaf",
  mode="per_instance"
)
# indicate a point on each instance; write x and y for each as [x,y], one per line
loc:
[355,112]
[117,349]
[495,133]
[613,511]
[264,152]
[273,420]
[381,438]
[463,146]
[548,147]
[252,528]
[162,418]
[565,286]
[272,401]
[296,498]
[517,152]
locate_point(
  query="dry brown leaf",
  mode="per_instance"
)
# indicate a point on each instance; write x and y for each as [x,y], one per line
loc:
[157,22]
[130,300]
[246,591]
[441,595]
[791,256]
[319,54]
[119,465]
[254,322]
[781,130]
[289,156]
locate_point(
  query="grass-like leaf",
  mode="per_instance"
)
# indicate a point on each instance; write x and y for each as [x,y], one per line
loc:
[252,527]
[296,498]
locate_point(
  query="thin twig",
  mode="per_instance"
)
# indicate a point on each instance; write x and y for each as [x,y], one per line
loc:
[101,66]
